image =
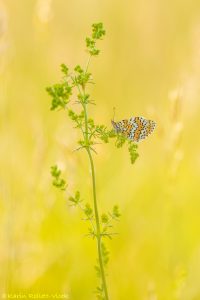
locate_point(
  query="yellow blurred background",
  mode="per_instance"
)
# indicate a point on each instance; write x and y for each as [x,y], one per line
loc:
[149,65]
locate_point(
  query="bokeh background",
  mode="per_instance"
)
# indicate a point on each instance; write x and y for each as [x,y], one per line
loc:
[150,66]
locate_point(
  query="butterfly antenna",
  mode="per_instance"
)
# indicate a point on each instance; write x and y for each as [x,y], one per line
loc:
[113,118]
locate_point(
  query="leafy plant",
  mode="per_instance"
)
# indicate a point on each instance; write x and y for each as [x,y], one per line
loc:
[101,227]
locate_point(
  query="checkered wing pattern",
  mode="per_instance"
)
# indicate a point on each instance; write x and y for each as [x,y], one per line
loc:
[136,128]
[120,126]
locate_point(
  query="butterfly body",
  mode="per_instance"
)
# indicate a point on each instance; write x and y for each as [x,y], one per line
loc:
[135,129]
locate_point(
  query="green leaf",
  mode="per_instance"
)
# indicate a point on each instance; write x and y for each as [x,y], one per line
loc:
[83,98]
[60,94]
[88,210]
[64,69]
[104,218]
[55,172]
[78,69]
[76,199]
[121,140]
[105,254]
[98,271]
[90,43]
[133,152]
[82,79]
[77,196]
[94,51]
[57,181]
[115,212]
[98,31]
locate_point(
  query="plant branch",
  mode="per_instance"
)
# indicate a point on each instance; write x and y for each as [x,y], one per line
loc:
[98,229]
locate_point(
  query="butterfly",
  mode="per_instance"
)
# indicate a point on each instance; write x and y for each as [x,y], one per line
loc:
[135,129]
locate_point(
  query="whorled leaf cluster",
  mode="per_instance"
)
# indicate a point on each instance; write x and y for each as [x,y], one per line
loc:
[61,94]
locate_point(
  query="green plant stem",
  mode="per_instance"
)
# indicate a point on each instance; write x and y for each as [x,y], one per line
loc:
[88,62]
[98,233]
[98,229]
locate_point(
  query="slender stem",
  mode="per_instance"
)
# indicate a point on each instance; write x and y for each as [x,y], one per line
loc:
[98,229]
[88,62]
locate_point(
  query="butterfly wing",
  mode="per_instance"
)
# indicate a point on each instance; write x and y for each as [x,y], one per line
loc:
[140,128]
[135,129]
[120,126]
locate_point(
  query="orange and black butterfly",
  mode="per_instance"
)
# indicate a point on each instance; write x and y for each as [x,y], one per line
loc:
[135,129]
